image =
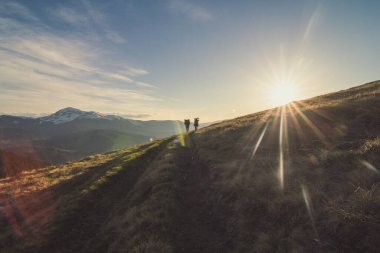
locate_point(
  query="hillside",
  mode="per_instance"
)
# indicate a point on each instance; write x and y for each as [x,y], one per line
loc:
[299,178]
[12,164]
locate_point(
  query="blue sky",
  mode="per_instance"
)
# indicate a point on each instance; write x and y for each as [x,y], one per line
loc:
[172,59]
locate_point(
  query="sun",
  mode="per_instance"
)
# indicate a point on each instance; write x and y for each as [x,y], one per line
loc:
[283,93]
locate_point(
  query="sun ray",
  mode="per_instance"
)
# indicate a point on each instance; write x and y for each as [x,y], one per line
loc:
[312,126]
[265,119]
[324,115]
[255,130]
[296,123]
[281,156]
[273,127]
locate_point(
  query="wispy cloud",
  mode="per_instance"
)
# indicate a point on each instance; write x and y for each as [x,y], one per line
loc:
[90,18]
[136,115]
[189,9]
[70,16]
[50,70]
[26,114]
[10,8]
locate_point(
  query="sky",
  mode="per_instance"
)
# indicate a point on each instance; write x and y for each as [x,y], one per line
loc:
[175,59]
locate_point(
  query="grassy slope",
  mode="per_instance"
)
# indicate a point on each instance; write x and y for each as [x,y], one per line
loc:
[211,194]
[65,208]
[325,155]
[12,164]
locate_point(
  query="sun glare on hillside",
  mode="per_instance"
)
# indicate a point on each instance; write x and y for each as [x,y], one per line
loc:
[283,93]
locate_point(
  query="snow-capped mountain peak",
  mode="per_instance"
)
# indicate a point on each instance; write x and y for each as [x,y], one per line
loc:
[69,114]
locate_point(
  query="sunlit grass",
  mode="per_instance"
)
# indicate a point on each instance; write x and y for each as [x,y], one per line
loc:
[40,179]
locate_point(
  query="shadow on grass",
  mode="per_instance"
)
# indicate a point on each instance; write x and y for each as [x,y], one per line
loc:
[80,214]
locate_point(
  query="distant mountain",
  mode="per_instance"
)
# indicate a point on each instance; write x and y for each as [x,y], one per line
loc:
[72,120]
[69,114]
[70,134]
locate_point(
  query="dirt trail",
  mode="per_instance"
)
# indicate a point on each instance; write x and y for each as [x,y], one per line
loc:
[199,228]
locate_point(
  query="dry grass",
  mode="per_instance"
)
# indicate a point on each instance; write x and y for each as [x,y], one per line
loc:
[44,203]
[213,194]
[342,187]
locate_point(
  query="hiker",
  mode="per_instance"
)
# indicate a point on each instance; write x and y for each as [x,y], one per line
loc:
[196,123]
[187,124]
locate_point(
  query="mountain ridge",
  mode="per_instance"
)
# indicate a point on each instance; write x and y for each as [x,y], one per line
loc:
[69,114]
[47,138]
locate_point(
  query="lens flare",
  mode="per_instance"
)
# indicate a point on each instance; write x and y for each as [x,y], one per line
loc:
[259,140]
[369,166]
[306,198]
[181,134]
